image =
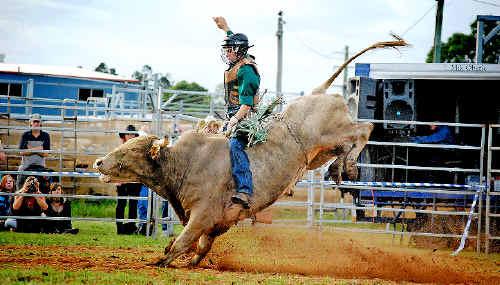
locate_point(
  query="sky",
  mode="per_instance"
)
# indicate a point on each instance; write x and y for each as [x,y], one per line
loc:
[181,39]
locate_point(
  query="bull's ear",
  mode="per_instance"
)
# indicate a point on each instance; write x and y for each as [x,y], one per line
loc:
[154,152]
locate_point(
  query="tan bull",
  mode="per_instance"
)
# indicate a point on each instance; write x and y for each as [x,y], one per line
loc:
[195,173]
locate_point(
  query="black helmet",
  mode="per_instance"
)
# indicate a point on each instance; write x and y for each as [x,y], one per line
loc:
[236,40]
[238,43]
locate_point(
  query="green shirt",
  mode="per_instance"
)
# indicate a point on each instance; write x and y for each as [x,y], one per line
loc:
[248,83]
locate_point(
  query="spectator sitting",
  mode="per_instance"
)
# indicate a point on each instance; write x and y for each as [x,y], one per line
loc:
[58,207]
[29,206]
[33,140]
[441,135]
[7,186]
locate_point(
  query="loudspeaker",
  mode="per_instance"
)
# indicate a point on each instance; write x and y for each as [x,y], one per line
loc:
[399,102]
[362,97]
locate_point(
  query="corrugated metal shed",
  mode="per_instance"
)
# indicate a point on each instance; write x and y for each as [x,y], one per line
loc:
[62,71]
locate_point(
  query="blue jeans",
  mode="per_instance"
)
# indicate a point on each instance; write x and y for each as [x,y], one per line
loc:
[164,214]
[240,166]
[142,208]
[142,205]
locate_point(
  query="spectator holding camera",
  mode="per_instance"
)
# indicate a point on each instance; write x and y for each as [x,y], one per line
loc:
[29,206]
[58,207]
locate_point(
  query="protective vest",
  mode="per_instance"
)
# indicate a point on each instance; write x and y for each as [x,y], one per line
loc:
[231,86]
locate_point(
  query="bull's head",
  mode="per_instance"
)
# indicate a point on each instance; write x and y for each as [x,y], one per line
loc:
[133,161]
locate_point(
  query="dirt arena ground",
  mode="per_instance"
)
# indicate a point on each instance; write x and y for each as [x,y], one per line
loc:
[306,255]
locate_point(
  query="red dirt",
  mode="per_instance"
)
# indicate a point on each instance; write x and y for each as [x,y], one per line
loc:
[283,250]
[344,255]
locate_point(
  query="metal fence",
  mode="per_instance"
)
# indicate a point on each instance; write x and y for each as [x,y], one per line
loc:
[66,117]
[397,189]
[492,212]
[393,173]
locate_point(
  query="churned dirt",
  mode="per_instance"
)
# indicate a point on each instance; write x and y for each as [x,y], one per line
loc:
[247,250]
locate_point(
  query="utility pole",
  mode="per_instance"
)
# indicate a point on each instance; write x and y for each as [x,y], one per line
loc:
[279,36]
[437,31]
[346,79]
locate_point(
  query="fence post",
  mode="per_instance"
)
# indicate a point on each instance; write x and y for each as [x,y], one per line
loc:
[30,86]
[155,216]
[488,187]
[310,199]
[322,195]
[149,221]
[481,181]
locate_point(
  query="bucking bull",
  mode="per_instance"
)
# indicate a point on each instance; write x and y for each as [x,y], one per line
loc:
[194,175]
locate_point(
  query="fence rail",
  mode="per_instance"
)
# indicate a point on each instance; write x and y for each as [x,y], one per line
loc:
[316,210]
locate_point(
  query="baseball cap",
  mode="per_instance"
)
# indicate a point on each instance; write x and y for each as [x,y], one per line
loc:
[35,117]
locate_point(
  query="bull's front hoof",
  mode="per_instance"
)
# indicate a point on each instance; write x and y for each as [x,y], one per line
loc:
[159,262]
[195,261]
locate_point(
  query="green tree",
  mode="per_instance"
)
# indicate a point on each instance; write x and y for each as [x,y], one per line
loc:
[462,47]
[164,81]
[147,69]
[102,67]
[191,102]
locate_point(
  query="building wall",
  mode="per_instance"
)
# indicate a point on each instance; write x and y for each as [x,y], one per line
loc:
[54,87]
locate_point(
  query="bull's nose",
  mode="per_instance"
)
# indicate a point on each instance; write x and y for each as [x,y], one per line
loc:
[98,162]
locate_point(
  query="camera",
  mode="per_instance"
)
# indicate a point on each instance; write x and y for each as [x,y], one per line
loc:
[32,186]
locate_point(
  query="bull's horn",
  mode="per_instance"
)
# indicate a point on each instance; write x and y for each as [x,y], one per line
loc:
[398,42]
[154,152]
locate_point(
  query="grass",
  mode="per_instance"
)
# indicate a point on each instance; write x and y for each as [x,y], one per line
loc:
[97,240]
[120,259]
[48,275]
[89,208]
[91,234]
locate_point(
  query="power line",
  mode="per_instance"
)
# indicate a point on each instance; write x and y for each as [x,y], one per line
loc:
[419,19]
[328,56]
[486,2]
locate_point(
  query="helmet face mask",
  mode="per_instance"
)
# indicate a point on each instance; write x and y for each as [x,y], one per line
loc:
[234,48]
[230,54]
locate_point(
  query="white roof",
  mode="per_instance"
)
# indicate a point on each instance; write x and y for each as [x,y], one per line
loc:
[63,71]
[452,71]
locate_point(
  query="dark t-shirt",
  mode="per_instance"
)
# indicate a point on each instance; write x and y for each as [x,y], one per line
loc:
[5,202]
[29,141]
[29,208]
[53,226]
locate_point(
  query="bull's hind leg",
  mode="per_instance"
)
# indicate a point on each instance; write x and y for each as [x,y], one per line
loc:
[204,245]
[356,136]
[364,130]
[336,169]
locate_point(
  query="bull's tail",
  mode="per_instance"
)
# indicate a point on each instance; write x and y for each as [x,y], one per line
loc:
[394,44]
